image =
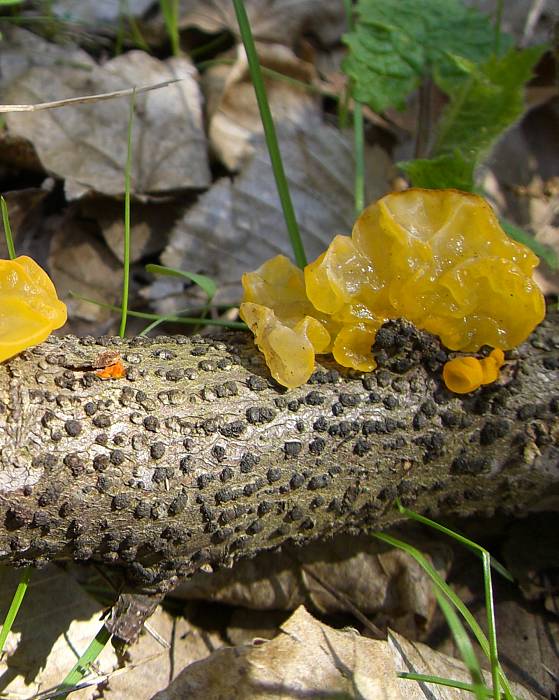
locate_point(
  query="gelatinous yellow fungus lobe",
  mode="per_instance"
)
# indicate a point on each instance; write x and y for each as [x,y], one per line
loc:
[447,266]
[491,365]
[289,352]
[463,374]
[29,307]
[352,346]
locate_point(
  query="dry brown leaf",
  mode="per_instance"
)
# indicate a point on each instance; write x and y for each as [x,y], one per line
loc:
[98,12]
[358,568]
[238,224]
[86,144]
[235,126]
[80,263]
[310,659]
[56,620]
[275,21]
[149,225]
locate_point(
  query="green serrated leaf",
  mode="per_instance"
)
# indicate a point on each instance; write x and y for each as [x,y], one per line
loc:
[541,250]
[487,102]
[397,42]
[205,283]
[449,170]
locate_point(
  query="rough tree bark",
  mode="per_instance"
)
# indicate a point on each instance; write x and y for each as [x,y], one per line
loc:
[197,457]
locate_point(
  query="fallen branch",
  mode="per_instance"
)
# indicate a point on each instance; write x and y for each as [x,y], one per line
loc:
[198,458]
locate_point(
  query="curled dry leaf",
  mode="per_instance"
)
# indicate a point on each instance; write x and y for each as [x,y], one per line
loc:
[80,263]
[358,568]
[150,224]
[275,21]
[310,659]
[235,126]
[239,223]
[57,618]
[87,144]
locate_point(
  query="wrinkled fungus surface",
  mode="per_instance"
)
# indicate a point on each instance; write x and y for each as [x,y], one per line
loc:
[29,306]
[435,257]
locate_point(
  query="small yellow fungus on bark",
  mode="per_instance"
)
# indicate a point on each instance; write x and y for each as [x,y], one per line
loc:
[29,306]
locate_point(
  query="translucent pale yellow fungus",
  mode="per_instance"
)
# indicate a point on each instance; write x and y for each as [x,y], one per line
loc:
[435,257]
[29,307]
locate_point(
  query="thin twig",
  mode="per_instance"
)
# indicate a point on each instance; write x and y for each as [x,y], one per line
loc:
[85,98]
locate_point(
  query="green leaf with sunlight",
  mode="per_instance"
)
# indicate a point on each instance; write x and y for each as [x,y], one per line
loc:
[487,103]
[205,283]
[448,170]
[396,43]
[484,105]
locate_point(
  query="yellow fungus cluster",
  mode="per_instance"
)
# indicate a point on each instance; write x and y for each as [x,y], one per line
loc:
[436,257]
[29,307]
[465,374]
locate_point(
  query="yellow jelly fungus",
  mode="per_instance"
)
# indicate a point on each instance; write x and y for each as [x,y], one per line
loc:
[435,257]
[465,374]
[29,307]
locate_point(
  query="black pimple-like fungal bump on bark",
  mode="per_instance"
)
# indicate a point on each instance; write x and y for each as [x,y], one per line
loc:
[469,464]
[250,489]
[433,444]
[248,462]
[233,429]
[224,495]
[227,516]
[209,426]
[157,511]
[102,439]
[222,535]
[103,420]
[199,351]
[314,398]
[361,447]
[15,519]
[74,463]
[300,426]
[101,463]
[41,520]
[493,430]
[293,406]
[320,424]
[317,446]
[319,482]
[349,400]
[121,501]
[73,427]
[103,483]
[142,510]
[157,450]
[551,362]
[151,423]
[175,374]
[429,409]
[390,402]
[292,448]
[256,383]
[178,504]
[257,414]
[56,435]
[295,514]
[388,493]
[296,481]
[281,402]
[264,508]
[218,453]
[273,474]
[226,474]
[337,409]
[160,474]
[117,457]
[317,502]
[554,404]
[203,480]
[254,528]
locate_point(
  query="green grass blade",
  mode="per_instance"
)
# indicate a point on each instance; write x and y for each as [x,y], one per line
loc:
[476,548]
[14,606]
[126,263]
[270,134]
[358,131]
[450,594]
[7,229]
[464,646]
[170,10]
[491,628]
[439,680]
[82,666]
[187,321]
[205,283]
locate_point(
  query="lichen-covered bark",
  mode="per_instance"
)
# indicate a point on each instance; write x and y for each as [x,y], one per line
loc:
[197,457]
